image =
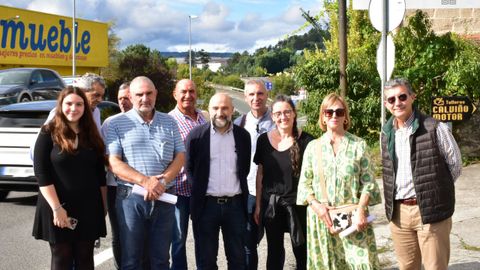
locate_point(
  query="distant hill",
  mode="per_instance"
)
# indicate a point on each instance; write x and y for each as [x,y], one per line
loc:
[184,54]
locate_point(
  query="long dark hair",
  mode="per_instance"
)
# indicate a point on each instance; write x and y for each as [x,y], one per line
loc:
[64,136]
[295,149]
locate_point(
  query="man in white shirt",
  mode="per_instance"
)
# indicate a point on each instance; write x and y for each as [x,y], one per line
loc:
[257,121]
[218,162]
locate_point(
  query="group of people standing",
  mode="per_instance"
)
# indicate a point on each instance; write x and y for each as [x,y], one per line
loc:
[253,176]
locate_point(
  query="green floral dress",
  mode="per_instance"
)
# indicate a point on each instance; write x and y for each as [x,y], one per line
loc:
[347,175]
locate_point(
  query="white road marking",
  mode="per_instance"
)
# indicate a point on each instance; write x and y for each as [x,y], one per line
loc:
[103,256]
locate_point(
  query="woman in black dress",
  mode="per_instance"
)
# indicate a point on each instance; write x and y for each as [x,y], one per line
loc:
[279,155]
[69,164]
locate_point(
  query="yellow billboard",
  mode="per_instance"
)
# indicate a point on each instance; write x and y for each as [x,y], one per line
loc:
[30,38]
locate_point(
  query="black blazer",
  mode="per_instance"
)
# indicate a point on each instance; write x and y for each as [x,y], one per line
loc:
[198,164]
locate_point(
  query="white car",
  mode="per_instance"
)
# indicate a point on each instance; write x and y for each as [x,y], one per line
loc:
[19,125]
[69,80]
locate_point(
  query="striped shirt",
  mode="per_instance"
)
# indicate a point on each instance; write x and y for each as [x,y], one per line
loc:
[111,179]
[147,147]
[447,146]
[185,125]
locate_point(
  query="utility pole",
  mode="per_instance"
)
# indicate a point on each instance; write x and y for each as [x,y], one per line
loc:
[342,44]
[342,40]
[310,19]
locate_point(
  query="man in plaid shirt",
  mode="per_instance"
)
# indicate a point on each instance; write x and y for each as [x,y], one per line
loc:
[187,117]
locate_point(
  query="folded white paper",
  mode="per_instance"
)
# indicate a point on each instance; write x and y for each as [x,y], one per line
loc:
[166,197]
[353,228]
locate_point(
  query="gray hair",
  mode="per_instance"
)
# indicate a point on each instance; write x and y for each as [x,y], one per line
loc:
[255,82]
[86,81]
[399,82]
[124,86]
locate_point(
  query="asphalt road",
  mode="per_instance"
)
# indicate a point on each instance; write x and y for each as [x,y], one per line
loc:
[20,251]
[18,248]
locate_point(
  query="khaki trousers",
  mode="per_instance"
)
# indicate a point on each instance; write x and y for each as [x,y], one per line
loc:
[415,242]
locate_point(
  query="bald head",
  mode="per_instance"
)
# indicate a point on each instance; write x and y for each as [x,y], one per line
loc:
[185,94]
[141,80]
[143,95]
[221,111]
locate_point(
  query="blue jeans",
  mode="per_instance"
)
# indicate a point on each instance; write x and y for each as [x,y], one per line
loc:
[251,237]
[230,217]
[139,220]
[180,229]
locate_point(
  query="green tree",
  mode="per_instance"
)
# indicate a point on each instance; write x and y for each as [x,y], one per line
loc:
[436,65]
[109,72]
[139,60]
[203,58]
[319,74]
[194,58]
[172,64]
[282,84]
[230,80]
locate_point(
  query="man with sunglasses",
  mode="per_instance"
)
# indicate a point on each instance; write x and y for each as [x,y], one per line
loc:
[421,162]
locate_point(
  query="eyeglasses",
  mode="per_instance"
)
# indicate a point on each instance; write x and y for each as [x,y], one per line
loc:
[401,97]
[287,113]
[338,112]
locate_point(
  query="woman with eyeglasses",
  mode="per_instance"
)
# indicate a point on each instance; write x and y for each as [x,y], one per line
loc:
[69,165]
[346,175]
[279,158]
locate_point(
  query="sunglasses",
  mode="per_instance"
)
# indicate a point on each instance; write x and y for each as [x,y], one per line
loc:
[401,97]
[338,112]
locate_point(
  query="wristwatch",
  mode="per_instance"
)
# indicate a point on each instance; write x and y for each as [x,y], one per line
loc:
[163,182]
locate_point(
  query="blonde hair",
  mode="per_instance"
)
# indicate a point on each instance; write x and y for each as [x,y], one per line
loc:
[328,101]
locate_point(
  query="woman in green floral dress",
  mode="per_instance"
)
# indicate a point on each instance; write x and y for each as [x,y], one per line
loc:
[348,175]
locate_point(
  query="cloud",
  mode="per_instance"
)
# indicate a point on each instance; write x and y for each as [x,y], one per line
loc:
[163,25]
[54,7]
[214,17]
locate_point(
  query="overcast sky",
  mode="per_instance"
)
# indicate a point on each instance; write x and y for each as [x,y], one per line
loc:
[221,26]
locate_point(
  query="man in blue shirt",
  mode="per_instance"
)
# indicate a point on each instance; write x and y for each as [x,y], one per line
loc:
[145,152]
[125,104]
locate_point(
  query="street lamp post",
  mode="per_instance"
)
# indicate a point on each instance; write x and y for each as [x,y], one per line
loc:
[73,40]
[190,17]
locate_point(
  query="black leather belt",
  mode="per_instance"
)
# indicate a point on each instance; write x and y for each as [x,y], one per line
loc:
[223,199]
[409,201]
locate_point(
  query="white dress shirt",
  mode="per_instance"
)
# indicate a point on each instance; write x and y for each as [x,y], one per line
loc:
[223,180]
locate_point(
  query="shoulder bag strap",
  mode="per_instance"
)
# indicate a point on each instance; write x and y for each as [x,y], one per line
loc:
[323,187]
[243,120]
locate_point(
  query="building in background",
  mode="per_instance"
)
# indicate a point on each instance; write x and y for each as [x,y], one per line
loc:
[463,21]
[35,39]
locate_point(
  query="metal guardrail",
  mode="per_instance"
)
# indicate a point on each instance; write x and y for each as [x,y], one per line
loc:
[225,87]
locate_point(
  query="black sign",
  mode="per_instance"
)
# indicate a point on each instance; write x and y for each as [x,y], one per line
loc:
[452,109]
